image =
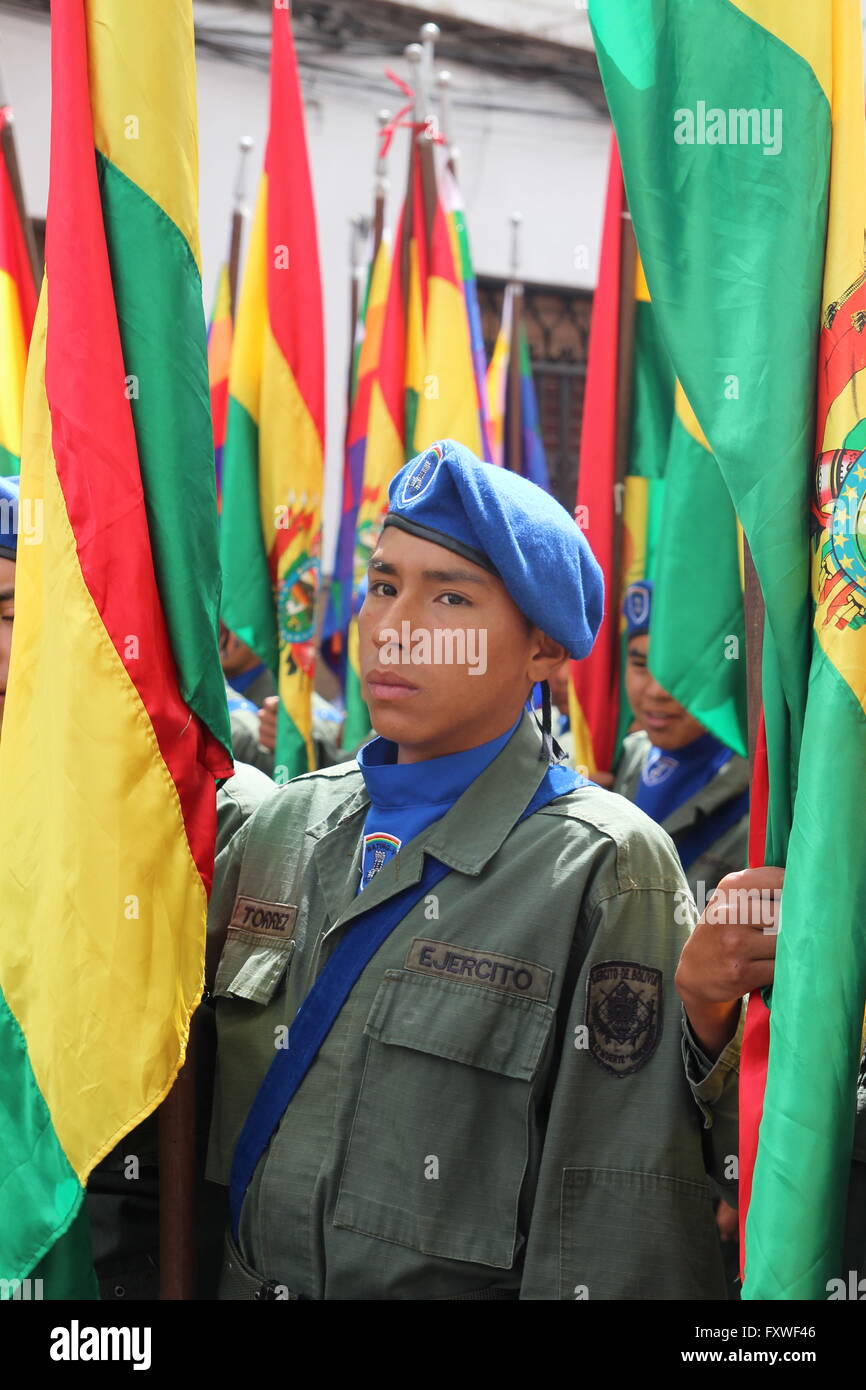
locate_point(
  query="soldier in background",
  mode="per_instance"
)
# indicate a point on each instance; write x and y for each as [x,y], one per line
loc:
[675,770]
[244,669]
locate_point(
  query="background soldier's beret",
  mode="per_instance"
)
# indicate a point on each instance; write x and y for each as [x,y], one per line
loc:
[8,517]
[637,606]
[511,527]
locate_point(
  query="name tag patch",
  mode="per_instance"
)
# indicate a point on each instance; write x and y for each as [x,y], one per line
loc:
[263,918]
[509,974]
[623,1014]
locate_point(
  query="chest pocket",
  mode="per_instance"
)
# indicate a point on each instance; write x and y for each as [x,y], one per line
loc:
[440,1138]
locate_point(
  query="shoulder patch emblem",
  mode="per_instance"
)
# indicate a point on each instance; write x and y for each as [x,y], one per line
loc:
[623,1014]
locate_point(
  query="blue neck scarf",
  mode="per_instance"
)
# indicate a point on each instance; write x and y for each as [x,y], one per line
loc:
[408,797]
[243,682]
[668,779]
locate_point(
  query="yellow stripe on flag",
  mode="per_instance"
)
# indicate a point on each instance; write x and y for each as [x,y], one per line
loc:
[245,373]
[13,366]
[800,26]
[641,288]
[137,124]
[73,876]
[687,417]
[448,404]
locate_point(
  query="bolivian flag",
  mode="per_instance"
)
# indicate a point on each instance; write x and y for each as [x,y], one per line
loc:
[354,549]
[462,254]
[116,723]
[741,126]
[17,308]
[424,387]
[219,351]
[531,462]
[359,521]
[273,459]
[643,525]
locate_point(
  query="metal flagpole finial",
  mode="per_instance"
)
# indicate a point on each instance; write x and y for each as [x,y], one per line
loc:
[245,144]
[516,220]
[429,34]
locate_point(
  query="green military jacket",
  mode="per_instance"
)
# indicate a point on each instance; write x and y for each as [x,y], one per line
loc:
[727,854]
[507,1100]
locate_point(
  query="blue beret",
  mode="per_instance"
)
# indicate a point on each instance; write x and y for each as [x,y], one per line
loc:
[8,517]
[637,606]
[511,527]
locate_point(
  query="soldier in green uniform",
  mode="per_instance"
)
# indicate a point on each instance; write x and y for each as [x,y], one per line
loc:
[451,1056]
[679,773]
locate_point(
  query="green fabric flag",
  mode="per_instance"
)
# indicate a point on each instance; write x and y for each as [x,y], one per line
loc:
[674,490]
[723,114]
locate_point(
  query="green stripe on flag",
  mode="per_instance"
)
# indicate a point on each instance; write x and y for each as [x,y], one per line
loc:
[248,595]
[10,464]
[698,640]
[39,1190]
[732,240]
[743,325]
[156,281]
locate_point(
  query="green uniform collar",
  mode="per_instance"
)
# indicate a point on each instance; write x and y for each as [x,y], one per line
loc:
[465,839]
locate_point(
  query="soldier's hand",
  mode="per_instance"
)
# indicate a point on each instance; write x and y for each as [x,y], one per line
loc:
[268,722]
[728,1223]
[730,952]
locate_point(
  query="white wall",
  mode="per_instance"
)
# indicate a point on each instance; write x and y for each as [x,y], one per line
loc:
[526,147]
[560,21]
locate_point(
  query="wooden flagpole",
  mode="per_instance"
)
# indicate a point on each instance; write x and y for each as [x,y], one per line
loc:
[239,213]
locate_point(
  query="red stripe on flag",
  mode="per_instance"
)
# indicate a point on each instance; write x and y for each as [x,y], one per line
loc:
[294,281]
[390,372]
[94,440]
[13,248]
[595,678]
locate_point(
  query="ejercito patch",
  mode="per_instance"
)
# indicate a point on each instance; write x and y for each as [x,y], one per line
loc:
[623,1014]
